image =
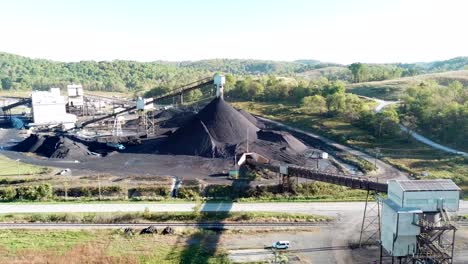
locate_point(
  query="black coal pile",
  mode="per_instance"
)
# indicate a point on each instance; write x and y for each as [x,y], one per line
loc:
[279,146]
[172,118]
[284,139]
[249,117]
[221,131]
[59,147]
[214,132]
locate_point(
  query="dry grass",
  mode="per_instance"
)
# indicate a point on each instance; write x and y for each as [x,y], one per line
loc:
[9,167]
[394,89]
[91,253]
[144,217]
[323,72]
[103,246]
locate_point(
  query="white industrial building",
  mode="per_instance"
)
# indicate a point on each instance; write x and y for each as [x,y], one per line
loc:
[49,109]
[75,95]
[415,219]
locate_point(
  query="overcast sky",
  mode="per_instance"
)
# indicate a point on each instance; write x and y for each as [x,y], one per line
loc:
[146,30]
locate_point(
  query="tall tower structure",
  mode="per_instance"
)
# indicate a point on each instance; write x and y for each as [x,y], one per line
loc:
[219,81]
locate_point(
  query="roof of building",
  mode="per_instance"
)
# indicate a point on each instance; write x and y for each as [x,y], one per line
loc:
[428,185]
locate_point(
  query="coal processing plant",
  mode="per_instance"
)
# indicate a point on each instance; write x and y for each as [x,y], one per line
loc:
[410,220]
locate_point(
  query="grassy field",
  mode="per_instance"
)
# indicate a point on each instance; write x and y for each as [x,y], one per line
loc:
[10,167]
[106,246]
[143,217]
[402,151]
[394,89]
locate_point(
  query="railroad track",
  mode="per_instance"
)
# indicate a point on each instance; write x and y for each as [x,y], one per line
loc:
[204,225]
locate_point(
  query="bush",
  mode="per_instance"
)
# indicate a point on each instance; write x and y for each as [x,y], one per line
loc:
[89,191]
[189,192]
[218,191]
[44,191]
[161,191]
[34,193]
[8,194]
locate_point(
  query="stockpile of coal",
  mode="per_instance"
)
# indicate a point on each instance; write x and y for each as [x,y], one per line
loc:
[221,131]
[59,147]
[214,132]
[284,139]
[173,118]
[249,117]
[279,146]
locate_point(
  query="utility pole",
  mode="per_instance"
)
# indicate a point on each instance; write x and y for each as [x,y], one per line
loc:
[377,152]
[99,186]
[66,190]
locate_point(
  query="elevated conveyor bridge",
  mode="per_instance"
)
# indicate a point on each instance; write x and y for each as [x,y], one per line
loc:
[355,182]
[184,89]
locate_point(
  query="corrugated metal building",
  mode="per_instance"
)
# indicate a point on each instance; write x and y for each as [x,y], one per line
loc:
[408,203]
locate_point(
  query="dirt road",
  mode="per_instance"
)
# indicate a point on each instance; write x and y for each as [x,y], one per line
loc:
[382,104]
[384,170]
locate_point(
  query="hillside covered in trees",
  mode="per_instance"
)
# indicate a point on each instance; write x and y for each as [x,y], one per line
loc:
[22,73]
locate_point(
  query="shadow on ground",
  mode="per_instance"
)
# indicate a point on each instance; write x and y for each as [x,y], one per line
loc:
[203,246]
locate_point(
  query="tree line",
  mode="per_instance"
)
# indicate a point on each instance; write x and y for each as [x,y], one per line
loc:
[22,73]
[316,96]
[439,111]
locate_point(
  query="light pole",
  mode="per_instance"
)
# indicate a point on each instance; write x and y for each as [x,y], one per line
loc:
[377,152]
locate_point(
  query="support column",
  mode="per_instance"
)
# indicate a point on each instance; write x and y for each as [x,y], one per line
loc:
[370,228]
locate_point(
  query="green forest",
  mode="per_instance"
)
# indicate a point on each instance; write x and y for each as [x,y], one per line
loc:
[22,73]
[440,111]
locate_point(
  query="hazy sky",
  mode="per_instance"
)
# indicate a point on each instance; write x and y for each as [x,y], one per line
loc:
[341,31]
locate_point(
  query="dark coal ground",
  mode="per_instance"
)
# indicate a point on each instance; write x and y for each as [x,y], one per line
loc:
[188,145]
[220,131]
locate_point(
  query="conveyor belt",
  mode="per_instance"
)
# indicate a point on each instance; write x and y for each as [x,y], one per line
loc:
[13,105]
[355,182]
[186,88]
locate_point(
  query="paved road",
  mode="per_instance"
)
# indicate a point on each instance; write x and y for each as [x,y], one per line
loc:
[382,104]
[319,208]
[384,170]
[431,143]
